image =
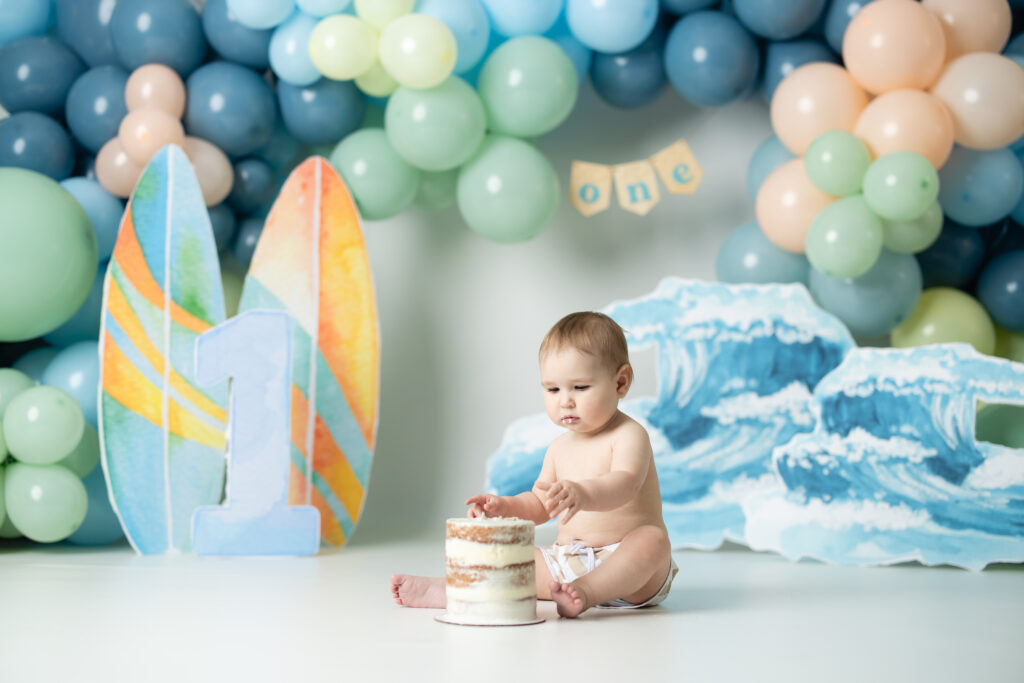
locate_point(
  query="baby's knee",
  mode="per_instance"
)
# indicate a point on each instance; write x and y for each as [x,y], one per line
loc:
[654,539]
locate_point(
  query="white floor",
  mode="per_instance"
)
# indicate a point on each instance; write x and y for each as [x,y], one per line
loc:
[70,614]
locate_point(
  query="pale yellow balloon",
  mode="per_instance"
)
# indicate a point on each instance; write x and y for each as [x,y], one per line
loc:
[145,130]
[213,169]
[155,85]
[343,47]
[972,25]
[814,99]
[376,82]
[985,94]
[907,120]
[115,170]
[945,315]
[380,13]
[787,203]
[417,50]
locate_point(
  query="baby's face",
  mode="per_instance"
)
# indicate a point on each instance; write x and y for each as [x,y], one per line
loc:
[581,393]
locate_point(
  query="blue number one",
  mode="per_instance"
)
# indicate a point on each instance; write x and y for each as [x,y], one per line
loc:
[254,350]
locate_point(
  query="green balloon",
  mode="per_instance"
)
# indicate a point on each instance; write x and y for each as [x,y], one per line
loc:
[12,383]
[47,254]
[437,190]
[910,237]
[43,425]
[86,455]
[508,192]
[836,161]
[435,129]
[3,504]
[47,503]
[845,238]
[900,186]
[1001,424]
[1009,345]
[382,182]
[943,315]
[528,86]
[7,528]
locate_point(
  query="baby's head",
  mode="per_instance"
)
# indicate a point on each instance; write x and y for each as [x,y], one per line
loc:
[594,334]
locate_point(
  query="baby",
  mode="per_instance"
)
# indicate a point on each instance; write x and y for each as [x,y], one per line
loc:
[598,478]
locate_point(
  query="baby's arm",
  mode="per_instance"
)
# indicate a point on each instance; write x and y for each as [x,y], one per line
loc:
[526,505]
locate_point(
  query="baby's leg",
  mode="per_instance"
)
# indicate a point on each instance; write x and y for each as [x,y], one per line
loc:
[418,591]
[543,575]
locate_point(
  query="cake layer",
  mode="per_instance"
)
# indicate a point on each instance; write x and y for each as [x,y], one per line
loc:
[503,530]
[470,553]
[489,613]
[459,575]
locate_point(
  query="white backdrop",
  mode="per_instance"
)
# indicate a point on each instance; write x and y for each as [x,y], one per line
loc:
[461,317]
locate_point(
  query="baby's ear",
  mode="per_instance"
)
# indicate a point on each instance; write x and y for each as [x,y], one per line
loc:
[623,379]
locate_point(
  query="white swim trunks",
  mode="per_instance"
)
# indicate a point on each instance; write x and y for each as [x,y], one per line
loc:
[569,562]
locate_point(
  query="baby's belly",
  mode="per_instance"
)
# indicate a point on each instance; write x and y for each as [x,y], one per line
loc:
[604,528]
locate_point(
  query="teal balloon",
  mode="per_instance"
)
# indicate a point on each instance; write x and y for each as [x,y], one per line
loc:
[42,425]
[48,254]
[12,383]
[382,183]
[528,86]
[508,192]
[900,186]
[76,370]
[100,526]
[437,190]
[34,363]
[910,237]
[845,238]
[46,503]
[438,128]
[836,161]
[748,256]
[86,455]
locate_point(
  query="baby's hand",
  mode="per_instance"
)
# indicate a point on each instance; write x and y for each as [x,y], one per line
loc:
[562,496]
[485,505]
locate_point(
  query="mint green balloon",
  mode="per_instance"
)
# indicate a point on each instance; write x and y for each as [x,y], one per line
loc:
[3,504]
[86,455]
[382,182]
[910,237]
[43,425]
[435,129]
[47,503]
[836,161]
[528,86]
[437,190]
[845,238]
[47,254]
[508,192]
[900,186]
[7,528]
[12,383]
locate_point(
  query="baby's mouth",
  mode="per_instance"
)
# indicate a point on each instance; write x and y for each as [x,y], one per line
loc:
[570,419]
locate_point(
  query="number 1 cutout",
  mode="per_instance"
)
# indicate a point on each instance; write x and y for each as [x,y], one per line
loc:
[254,350]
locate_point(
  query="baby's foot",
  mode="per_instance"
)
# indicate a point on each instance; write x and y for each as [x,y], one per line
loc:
[417,591]
[569,601]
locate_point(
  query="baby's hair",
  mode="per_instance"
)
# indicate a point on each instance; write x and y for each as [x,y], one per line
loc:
[590,332]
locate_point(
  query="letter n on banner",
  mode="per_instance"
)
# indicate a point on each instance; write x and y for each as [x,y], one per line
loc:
[590,187]
[636,187]
[678,168]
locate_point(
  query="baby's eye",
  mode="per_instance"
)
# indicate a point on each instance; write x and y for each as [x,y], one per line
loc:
[581,387]
[552,390]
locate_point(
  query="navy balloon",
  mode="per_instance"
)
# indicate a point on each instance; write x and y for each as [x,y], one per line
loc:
[978,187]
[1002,237]
[253,187]
[768,156]
[1001,289]
[322,113]
[233,40]
[634,78]
[95,106]
[778,19]
[158,31]
[84,25]
[282,149]
[748,256]
[245,241]
[222,219]
[84,325]
[36,142]
[36,74]
[954,258]
[837,18]
[230,106]
[781,58]
[711,59]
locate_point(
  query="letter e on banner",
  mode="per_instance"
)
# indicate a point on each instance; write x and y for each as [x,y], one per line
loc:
[636,187]
[678,168]
[590,187]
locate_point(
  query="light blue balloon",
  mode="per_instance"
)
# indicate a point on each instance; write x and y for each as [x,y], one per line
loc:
[978,187]
[778,19]
[711,59]
[33,363]
[748,256]
[21,18]
[103,209]
[323,8]
[611,25]
[84,324]
[580,54]
[100,526]
[468,22]
[289,50]
[262,14]
[837,18]
[522,17]
[768,156]
[876,302]
[76,370]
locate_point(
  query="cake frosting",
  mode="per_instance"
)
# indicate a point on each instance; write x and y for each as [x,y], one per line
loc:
[489,571]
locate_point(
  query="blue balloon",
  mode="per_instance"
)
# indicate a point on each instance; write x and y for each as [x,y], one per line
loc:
[33,363]
[684,6]
[104,211]
[768,156]
[289,50]
[634,78]
[611,25]
[245,240]
[473,75]
[281,150]
[1015,46]
[580,55]
[262,14]
[323,8]
[876,302]
[223,221]
[468,22]
[837,18]
[978,187]
[76,370]
[36,142]
[322,113]
[84,325]
[1001,289]
[231,106]
[95,106]
[253,188]
[231,39]
[22,18]
[778,19]
[781,58]
[36,74]
[711,59]
[954,258]
[158,31]
[522,17]
[748,256]
[84,25]
[100,526]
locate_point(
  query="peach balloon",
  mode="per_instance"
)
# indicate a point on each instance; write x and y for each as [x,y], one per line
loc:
[144,131]
[907,120]
[155,85]
[972,25]
[815,98]
[213,169]
[115,170]
[985,94]
[893,44]
[787,203]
